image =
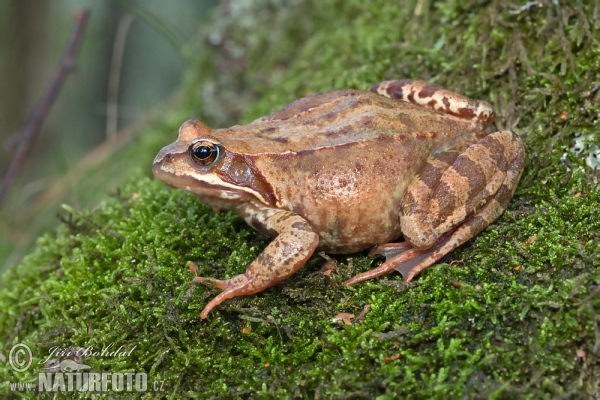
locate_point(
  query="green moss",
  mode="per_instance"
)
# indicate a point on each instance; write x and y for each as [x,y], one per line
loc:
[506,319]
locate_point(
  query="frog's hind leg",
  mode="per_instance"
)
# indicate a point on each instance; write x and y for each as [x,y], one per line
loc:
[438,98]
[452,200]
[446,194]
[468,229]
[410,262]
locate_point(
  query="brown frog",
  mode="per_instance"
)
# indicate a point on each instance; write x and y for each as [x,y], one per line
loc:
[347,170]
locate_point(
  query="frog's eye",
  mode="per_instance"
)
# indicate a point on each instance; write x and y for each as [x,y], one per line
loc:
[204,153]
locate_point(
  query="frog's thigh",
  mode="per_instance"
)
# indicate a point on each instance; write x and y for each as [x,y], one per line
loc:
[409,263]
[288,252]
[438,98]
[473,224]
[441,198]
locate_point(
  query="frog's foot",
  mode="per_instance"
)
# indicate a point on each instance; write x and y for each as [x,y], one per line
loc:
[391,251]
[438,98]
[401,257]
[285,255]
[239,285]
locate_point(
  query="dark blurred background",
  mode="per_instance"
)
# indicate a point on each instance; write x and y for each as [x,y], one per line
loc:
[151,35]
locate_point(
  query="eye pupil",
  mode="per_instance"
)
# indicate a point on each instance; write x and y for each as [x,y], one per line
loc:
[204,153]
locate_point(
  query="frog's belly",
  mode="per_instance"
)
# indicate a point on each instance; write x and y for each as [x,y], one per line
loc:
[358,237]
[352,214]
[346,227]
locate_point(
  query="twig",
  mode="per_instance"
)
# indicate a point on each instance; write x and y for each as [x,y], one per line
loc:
[112,106]
[39,113]
[168,31]
[49,198]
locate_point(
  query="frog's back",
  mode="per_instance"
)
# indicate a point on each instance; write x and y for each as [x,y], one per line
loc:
[336,118]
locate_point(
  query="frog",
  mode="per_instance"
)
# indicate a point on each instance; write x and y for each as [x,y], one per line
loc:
[408,169]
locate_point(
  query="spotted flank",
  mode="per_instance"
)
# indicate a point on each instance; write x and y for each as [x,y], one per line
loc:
[437,98]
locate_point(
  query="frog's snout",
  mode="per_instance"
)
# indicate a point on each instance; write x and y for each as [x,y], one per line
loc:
[163,158]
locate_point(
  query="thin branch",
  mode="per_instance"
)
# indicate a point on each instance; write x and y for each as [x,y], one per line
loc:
[112,106]
[53,194]
[38,115]
[169,31]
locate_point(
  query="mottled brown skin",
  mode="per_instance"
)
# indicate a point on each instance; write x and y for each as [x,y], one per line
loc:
[347,170]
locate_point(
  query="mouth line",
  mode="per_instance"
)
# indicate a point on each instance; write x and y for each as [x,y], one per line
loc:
[197,186]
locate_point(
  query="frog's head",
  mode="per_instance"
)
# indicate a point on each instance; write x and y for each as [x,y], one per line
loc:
[199,163]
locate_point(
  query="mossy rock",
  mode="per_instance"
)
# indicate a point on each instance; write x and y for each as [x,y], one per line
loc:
[511,314]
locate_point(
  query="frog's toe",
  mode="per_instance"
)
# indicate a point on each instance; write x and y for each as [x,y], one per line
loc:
[406,257]
[218,283]
[389,250]
[239,285]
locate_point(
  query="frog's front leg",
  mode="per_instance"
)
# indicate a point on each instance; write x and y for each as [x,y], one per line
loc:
[287,253]
[451,200]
